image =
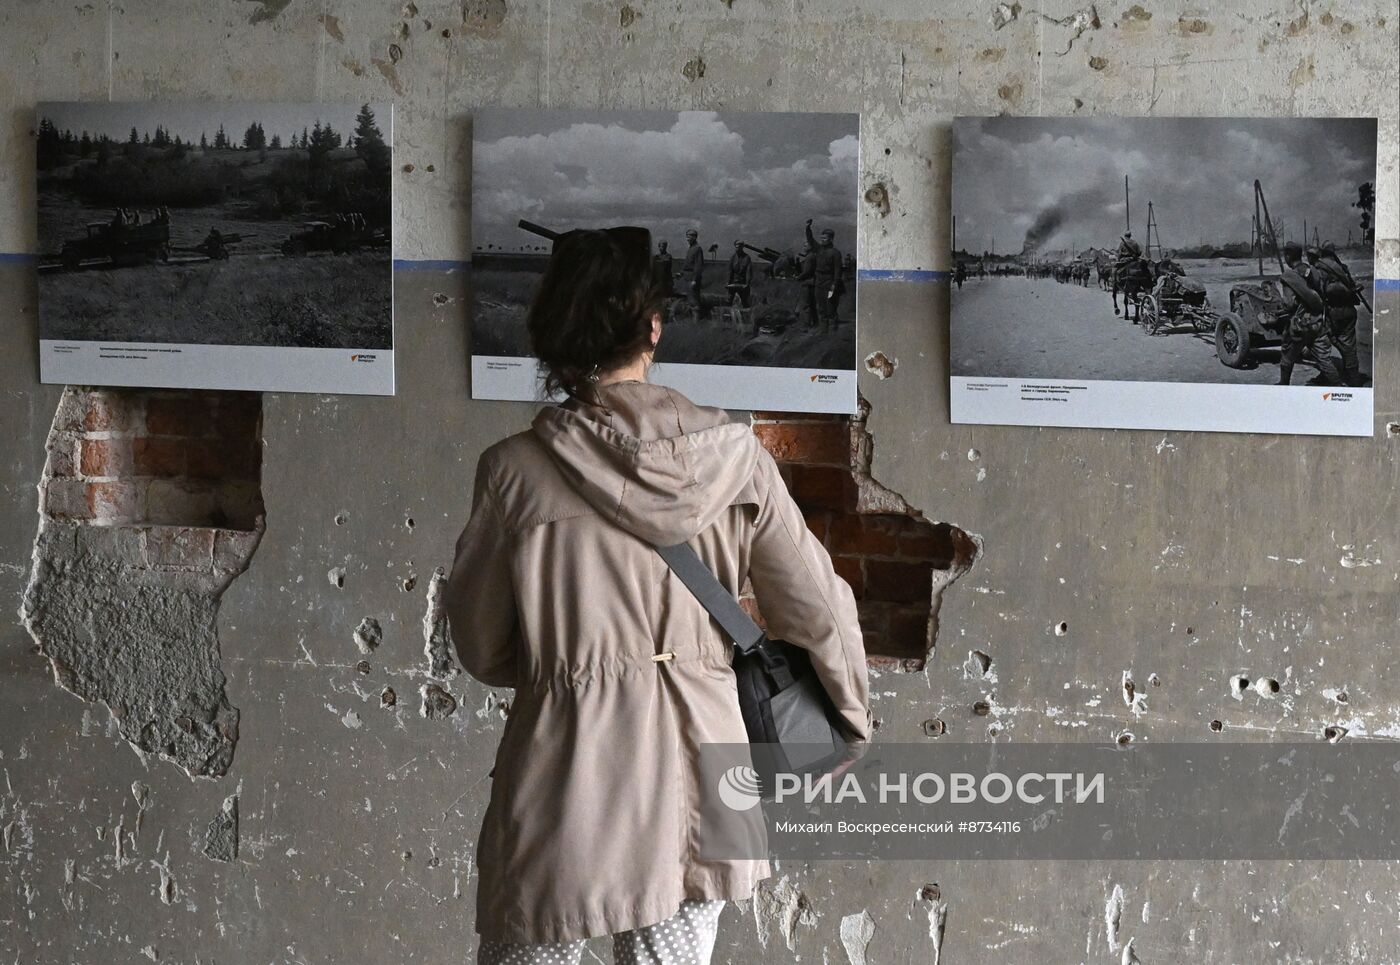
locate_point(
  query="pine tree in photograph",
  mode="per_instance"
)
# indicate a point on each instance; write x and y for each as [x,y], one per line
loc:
[369,141]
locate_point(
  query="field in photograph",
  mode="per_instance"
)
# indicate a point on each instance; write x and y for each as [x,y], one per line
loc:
[316,301]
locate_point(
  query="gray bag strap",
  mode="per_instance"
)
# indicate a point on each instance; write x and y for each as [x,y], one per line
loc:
[718,601]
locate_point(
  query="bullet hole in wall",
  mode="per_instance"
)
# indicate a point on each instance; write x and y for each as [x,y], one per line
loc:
[880,365]
[362,667]
[981,708]
[934,727]
[1061,628]
[1125,737]
[387,697]
[368,635]
[336,577]
[1333,733]
[1217,725]
[878,197]
[1266,686]
[931,892]
[438,704]
[221,835]
[977,665]
[341,519]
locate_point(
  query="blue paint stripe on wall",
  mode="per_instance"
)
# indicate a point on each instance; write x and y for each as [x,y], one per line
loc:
[902,274]
[409,264]
[865,274]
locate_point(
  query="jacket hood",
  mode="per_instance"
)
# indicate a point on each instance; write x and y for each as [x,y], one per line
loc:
[649,459]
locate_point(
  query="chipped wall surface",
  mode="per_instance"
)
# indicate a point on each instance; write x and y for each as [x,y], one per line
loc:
[342,828]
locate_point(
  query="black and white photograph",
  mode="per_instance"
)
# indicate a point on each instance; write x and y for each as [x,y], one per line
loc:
[216,245]
[753,226]
[1164,273]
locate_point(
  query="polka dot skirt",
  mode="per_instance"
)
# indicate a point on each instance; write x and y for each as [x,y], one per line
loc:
[686,938]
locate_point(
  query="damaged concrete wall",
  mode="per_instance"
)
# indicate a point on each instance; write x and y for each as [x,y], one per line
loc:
[342,829]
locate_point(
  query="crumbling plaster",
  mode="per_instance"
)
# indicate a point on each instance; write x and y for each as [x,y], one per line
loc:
[1195,558]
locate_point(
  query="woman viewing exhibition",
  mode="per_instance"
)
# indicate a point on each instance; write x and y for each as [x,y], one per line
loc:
[619,673]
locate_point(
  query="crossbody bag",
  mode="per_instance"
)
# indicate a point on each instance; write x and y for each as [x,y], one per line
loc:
[792,725]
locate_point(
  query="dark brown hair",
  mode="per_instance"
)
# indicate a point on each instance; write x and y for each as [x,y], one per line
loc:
[594,306]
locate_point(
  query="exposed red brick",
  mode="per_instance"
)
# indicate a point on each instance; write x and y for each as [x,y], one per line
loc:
[159,457]
[244,458]
[866,535]
[907,631]
[898,582]
[119,500]
[107,412]
[824,443]
[237,414]
[849,569]
[216,459]
[928,541]
[105,457]
[178,415]
[824,487]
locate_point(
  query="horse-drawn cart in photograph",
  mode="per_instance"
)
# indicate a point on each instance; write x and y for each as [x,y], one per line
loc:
[1176,298]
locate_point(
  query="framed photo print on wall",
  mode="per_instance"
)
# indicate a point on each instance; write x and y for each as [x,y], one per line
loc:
[753,225]
[1164,273]
[216,246]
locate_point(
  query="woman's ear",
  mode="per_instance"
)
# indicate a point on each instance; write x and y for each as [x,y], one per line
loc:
[655,329]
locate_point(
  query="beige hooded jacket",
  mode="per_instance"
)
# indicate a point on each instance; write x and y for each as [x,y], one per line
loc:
[557,592]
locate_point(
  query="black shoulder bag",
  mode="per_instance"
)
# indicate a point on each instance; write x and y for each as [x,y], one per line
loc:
[792,724]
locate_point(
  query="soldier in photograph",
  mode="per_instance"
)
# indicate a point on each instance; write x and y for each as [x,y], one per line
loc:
[740,276]
[663,270]
[694,266]
[826,272]
[1128,249]
[807,279]
[1305,331]
[1333,281]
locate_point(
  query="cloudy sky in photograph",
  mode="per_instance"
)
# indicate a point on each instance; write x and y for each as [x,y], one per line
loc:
[1059,181]
[756,177]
